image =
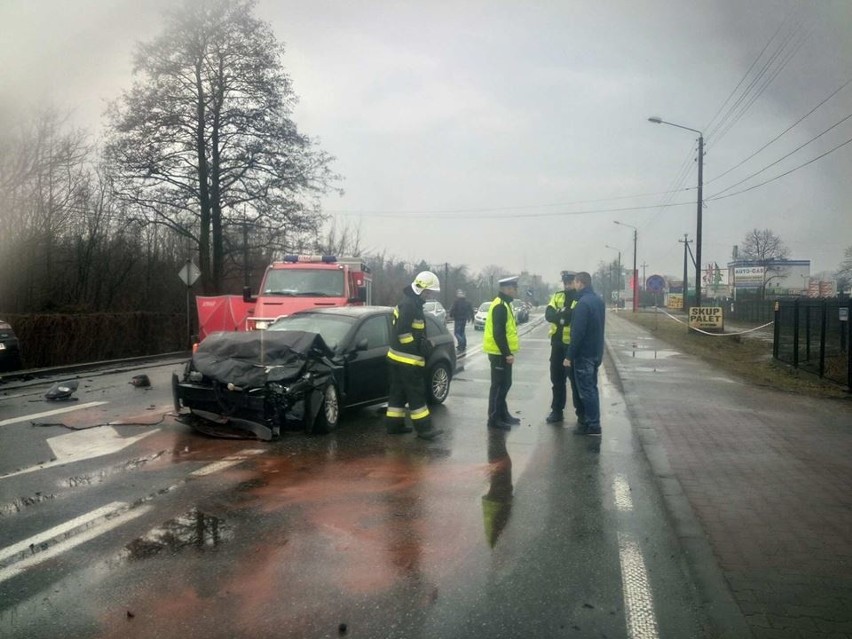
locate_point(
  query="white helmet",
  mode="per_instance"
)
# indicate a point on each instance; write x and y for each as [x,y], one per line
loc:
[425,280]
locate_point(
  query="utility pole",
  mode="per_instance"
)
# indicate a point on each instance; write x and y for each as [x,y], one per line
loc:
[685,243]
[700,211]
[644,279]
[446,284]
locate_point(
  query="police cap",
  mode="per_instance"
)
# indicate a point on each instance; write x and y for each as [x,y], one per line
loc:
[508,281]
[568,276]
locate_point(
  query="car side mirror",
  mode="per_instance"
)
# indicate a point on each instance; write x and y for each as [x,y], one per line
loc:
[362,345]
[247,297]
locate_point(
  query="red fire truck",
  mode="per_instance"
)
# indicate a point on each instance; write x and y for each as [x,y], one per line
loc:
[295,283]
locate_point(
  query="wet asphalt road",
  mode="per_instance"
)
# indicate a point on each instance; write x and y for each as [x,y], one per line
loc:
[534,533]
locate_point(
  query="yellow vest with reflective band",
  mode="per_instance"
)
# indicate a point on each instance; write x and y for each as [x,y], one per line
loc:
[557,301]
[489,345]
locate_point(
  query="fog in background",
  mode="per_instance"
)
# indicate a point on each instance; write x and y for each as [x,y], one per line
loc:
[515,133]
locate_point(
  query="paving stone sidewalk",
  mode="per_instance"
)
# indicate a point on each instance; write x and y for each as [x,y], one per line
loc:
[766,475]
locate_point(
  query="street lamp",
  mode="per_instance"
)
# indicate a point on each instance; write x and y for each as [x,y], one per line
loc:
[618,279]
[657,120]
[635,274]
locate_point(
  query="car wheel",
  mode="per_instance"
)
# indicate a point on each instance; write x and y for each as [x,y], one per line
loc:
[438,383]
[329,413]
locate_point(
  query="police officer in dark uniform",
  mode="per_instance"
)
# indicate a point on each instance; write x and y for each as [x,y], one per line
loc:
[501,343]
[558,314]
[409,349]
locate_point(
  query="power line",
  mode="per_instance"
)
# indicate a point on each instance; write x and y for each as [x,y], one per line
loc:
[487,213]
[722,197]
[379,212]
[784,132]
[836,124]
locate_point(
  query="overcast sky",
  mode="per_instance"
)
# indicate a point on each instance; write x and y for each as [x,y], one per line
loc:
[516,133]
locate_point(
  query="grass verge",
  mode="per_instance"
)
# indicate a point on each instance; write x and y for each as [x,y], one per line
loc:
[748,358]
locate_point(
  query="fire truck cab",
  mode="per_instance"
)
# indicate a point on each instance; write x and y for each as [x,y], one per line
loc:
[299,282]
[295,283]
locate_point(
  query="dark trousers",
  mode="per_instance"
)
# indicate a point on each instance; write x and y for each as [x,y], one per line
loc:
[586,376]
[501,382]
[558,375]
[579,409]
[458,331]
[407,386]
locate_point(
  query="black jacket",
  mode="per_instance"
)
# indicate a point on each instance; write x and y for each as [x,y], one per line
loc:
[461,310]
[408,334]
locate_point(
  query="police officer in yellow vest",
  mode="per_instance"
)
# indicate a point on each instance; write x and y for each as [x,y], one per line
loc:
[558,313]
[501,343]
[409,349]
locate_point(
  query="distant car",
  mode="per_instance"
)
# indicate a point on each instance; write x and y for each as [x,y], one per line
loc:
[10,348]
[304,369]
[480,316]
[434,307]
[522,313]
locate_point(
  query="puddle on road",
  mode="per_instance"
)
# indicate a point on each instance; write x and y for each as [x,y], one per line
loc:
[652,354]
[193,529]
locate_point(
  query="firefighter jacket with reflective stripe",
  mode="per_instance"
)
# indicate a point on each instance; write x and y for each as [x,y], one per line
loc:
[408,335]
[558,313]
[501,331]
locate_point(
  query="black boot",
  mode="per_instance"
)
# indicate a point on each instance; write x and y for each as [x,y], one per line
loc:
[554,417]
[510,420]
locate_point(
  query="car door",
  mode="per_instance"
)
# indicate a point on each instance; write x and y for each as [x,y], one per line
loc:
[367,368]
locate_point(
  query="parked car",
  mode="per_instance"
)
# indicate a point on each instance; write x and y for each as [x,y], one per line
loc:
[522,313]
[434,307]
[10,348]
[480,316]
[304,370]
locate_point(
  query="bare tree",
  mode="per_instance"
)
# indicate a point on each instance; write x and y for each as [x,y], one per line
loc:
[204,141]
[766,249]
[844,271]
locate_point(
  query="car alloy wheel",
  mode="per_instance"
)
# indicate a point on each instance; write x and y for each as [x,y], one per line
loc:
[439,383]
[329,413]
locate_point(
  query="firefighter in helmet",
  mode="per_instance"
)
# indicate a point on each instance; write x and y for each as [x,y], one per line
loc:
[407,356]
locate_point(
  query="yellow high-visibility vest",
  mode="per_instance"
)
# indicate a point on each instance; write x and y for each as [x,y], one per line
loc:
[557,301]
[488,343]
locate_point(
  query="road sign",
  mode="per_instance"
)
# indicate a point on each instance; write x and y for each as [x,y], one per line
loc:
[189,273]
[655,283]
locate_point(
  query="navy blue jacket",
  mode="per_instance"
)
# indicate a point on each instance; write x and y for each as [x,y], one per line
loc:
[587,328]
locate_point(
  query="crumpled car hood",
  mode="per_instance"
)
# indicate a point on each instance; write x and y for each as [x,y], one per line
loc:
[250,360]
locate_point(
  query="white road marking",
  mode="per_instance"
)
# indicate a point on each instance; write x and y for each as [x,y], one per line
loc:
[621,490]
[68,544]
[81,529]
[233,460]
[84,444]
[49,413]
[62,530]
[638,600]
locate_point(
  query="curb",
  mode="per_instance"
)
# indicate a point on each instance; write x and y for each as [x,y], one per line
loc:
[722,612]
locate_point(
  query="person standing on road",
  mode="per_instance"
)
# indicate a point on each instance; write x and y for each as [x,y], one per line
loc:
[409,349]
[461,312]
[558,314]
[501,343]
[584,353]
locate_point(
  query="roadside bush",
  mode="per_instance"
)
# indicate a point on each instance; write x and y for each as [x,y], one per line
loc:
[62,339]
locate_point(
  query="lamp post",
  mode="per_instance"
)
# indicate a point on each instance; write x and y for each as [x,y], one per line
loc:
[635,278]
[657,120]
[618,278]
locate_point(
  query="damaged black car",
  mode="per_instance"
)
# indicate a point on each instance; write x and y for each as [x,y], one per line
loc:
[300,373]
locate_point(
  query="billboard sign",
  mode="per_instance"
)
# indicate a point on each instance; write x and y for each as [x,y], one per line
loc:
[749,276]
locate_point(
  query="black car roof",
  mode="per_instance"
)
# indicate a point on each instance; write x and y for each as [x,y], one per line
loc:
[347,311]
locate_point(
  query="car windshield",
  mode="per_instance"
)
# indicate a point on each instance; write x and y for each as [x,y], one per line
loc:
[432,307]
[304,282]
[333,328]
[484,306]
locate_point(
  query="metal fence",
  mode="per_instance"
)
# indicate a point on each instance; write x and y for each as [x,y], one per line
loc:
[815,335]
